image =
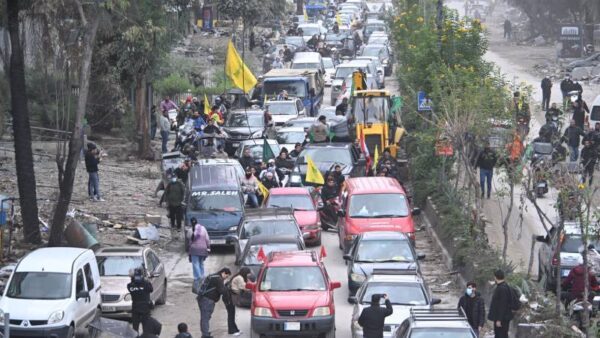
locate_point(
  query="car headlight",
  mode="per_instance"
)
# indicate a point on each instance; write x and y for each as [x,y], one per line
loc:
[357,277]
[295,179]
[56,317]
[262,312]
[322,311]
[257,134]
[127,297]
[233,228]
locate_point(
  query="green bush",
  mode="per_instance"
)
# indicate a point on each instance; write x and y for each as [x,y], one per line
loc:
[173,84]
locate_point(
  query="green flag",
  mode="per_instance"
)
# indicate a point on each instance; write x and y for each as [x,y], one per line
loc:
[267,152]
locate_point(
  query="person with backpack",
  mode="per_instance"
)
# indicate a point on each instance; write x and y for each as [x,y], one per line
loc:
[504,302]
[209,293]
[199,248]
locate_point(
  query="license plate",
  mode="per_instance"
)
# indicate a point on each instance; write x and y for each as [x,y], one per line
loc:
[217,241]
[291,326]
[109,309]
[541,185]
[235,145]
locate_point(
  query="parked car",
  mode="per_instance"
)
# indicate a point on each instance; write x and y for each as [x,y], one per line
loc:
[379,250]
[293,294]
[285,110]
[256,148]
[115,264]
[287,137]
[435,323]
[242,125]
[52,292]
[382,52]
[305,210]
[405,290]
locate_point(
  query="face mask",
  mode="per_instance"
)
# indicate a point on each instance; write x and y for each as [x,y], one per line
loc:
[174,179]
[469,291]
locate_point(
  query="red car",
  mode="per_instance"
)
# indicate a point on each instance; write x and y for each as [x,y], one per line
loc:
[374,204]
[305,210]
[293,296]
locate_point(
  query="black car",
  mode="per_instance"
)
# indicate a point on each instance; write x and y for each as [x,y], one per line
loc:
[325,156]
[242,125]
[379,250]
[268,243]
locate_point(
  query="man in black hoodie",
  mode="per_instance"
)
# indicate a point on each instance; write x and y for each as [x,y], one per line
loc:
[473,306]
[372,318]
[213,287]
[486,162]
[141,304]
[92,158]
[546,92]
[247,160]
[500,311]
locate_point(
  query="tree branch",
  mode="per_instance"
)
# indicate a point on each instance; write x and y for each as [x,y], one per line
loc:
[81,12]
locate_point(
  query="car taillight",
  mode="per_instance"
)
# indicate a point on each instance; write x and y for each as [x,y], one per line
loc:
[411,235]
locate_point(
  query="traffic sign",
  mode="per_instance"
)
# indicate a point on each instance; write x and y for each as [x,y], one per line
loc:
[423,102]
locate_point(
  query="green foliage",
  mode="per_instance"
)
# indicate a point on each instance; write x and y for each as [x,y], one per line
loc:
[173,84]
[251,11]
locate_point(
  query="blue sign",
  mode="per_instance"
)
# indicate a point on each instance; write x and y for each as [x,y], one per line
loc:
[424,103]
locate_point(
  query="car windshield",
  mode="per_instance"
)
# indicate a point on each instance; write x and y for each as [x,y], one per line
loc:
[269,227]
[574,244]
[118,265]
[295,88]
[300,123]
[297,202]
[288,137]
[216,200]
[398,293]
[306,65]
[39,285]
[293,278]
[371,109]
[294,40]
[328,62]
[245,120]
[378,206]
[256,150]
[324,155]
[384,250]
[374,28]
[251,256]
[378,40]
[287,108]
[343,72]
[441,332]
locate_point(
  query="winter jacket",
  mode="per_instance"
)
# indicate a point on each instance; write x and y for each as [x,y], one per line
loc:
[566,85]
[249,184]
[91,162]
[174,193]
[474,308]
[589,156]
[575,282]
[579,116]
[319,132]
[200,241]
[372,319]
[215,289]
[572,135]
[487,159]
[500,304]
[546,85]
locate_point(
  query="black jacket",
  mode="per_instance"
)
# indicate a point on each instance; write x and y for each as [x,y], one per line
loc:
[183,335]
[474,308]
[216,289]
[328,193]
[589,156]
[372,319]
[152,328]
[140,295]
[500,305]
[246,161]
[546,85]
[579,116]
[572,135]
[566,85]
[91,162]
[487,159]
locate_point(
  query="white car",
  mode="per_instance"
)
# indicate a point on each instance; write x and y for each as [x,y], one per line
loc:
[285,110]
[288,137]
[329,71]
[310,29]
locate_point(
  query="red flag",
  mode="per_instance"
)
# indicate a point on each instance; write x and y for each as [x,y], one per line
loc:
[323,252]
[260,256]
[365,150]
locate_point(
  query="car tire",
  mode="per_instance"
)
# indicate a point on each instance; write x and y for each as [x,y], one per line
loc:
[330,334]
[162,300]
[93,332]
[71,332]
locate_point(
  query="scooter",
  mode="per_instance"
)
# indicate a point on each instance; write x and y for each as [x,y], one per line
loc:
[328,212]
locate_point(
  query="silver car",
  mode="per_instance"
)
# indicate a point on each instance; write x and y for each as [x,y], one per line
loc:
[115,265]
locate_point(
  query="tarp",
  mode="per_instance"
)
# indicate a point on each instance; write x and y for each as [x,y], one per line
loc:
[108,328]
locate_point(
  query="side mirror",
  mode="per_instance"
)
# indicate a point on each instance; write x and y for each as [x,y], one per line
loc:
[421,256]
[435,301]
[341,213]
[416,211]
[251,286]
[347,257]
[352,300]
[335,285]
[83,294]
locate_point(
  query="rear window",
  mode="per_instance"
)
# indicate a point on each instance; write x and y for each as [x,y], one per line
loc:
[294,278]
[118,265]
[296,202]
[306,65]
[270,227]
[252,259]
[384,251]
[398,293]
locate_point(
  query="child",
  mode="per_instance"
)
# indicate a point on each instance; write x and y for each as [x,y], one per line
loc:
[183,331]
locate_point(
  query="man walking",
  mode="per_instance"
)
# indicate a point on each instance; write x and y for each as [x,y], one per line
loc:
[486,162]
[165,128]
[589,157]
[473,306]
[507,29]
[546,92]
[92,158]
[566,85]
[372,318]
[572,137]
[175,192]
[210,292]
[500,310]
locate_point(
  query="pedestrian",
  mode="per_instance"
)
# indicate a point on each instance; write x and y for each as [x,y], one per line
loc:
[546,92]
[473,307]
[372,318]
[199,249]
[182,331]
[140,290]
[249,185]
[232,328]
[566,85]
[252,40]
[165,128]
[92,159]
[486,162]
[153,122]
[174,194]
[578,114]
[500,307]
[277,64]
[572,137]
[239,292]
[152,328]
[319,131]
[589,157]
[507,29]
[213,287]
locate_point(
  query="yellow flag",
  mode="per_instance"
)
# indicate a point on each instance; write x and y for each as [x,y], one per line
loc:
[376,159]
[338,19]
[263,190]
[313,175]
[206,105]
[305,15]
[237,71]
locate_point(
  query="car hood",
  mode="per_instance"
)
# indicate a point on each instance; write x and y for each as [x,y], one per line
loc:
[282,118]
[401,312]
[32,309]
[247,131]
[306,217]
[115,285]
[402,224]
[293,300]
[216,220]
[367,268]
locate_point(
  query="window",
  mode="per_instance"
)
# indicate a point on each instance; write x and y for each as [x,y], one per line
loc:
[79,282]
[149,263]
[118,265]
[269,227]
[294,278]
[384,251]
[154,260]
[296,202]
[378,206]
[89,277]
[299,105]
[398,293]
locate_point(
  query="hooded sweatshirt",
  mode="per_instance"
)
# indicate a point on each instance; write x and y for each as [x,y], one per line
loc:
[576,282]
[200,241]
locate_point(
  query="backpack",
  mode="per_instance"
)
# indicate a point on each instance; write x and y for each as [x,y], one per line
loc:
[201,287]
[515,303]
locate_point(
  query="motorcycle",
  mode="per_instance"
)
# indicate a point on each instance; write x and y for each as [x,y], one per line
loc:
[328,211]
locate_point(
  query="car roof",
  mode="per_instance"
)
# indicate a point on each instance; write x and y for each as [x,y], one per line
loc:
[293,258]
[290,101]
[289,191]
[218,161]
[331,145]
[268,213]
[271,239]
[250,112]
[290,130]
[378,235]
[56,259]
[121,251]
[406,276]
[214,177]
[373,185]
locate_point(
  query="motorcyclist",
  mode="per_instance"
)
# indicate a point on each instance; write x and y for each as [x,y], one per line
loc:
[554,111]
[575,282]
[167,104]
[270,180]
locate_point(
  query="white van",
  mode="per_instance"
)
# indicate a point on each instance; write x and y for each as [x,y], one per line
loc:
[595,112]
[308,60]
[52,292]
